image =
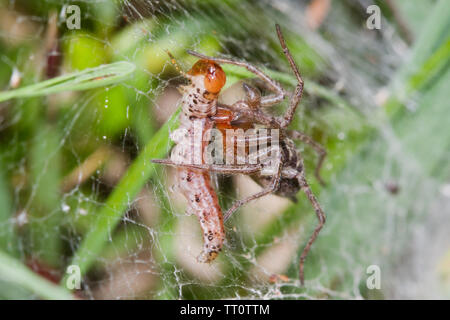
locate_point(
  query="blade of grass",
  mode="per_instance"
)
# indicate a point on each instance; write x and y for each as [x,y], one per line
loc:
[43,208]
[8,239]
[86,79]
[434,32]
[13,271]
[427,72]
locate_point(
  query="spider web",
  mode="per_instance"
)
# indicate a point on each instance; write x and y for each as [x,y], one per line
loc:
[63,155]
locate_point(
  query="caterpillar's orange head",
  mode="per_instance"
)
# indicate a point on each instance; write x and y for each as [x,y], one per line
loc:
[214,76]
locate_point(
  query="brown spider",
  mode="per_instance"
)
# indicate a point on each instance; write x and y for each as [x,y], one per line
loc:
[289,177]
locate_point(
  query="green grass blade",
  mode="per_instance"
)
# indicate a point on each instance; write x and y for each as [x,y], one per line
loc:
[435,31]
[44,208]
[8,240]
[86,79]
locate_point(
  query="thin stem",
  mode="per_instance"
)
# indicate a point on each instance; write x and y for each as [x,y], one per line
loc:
[86,79]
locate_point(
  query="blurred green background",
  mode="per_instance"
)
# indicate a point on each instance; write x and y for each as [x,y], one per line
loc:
[77,186]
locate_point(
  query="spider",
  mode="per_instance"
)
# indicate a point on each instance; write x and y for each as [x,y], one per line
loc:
[289,175]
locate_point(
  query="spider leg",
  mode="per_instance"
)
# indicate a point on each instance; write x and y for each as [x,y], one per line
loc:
[297,94]
[321,152]
[256,114]
[226,169]
[320,216]
[270,189]
[266,101]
